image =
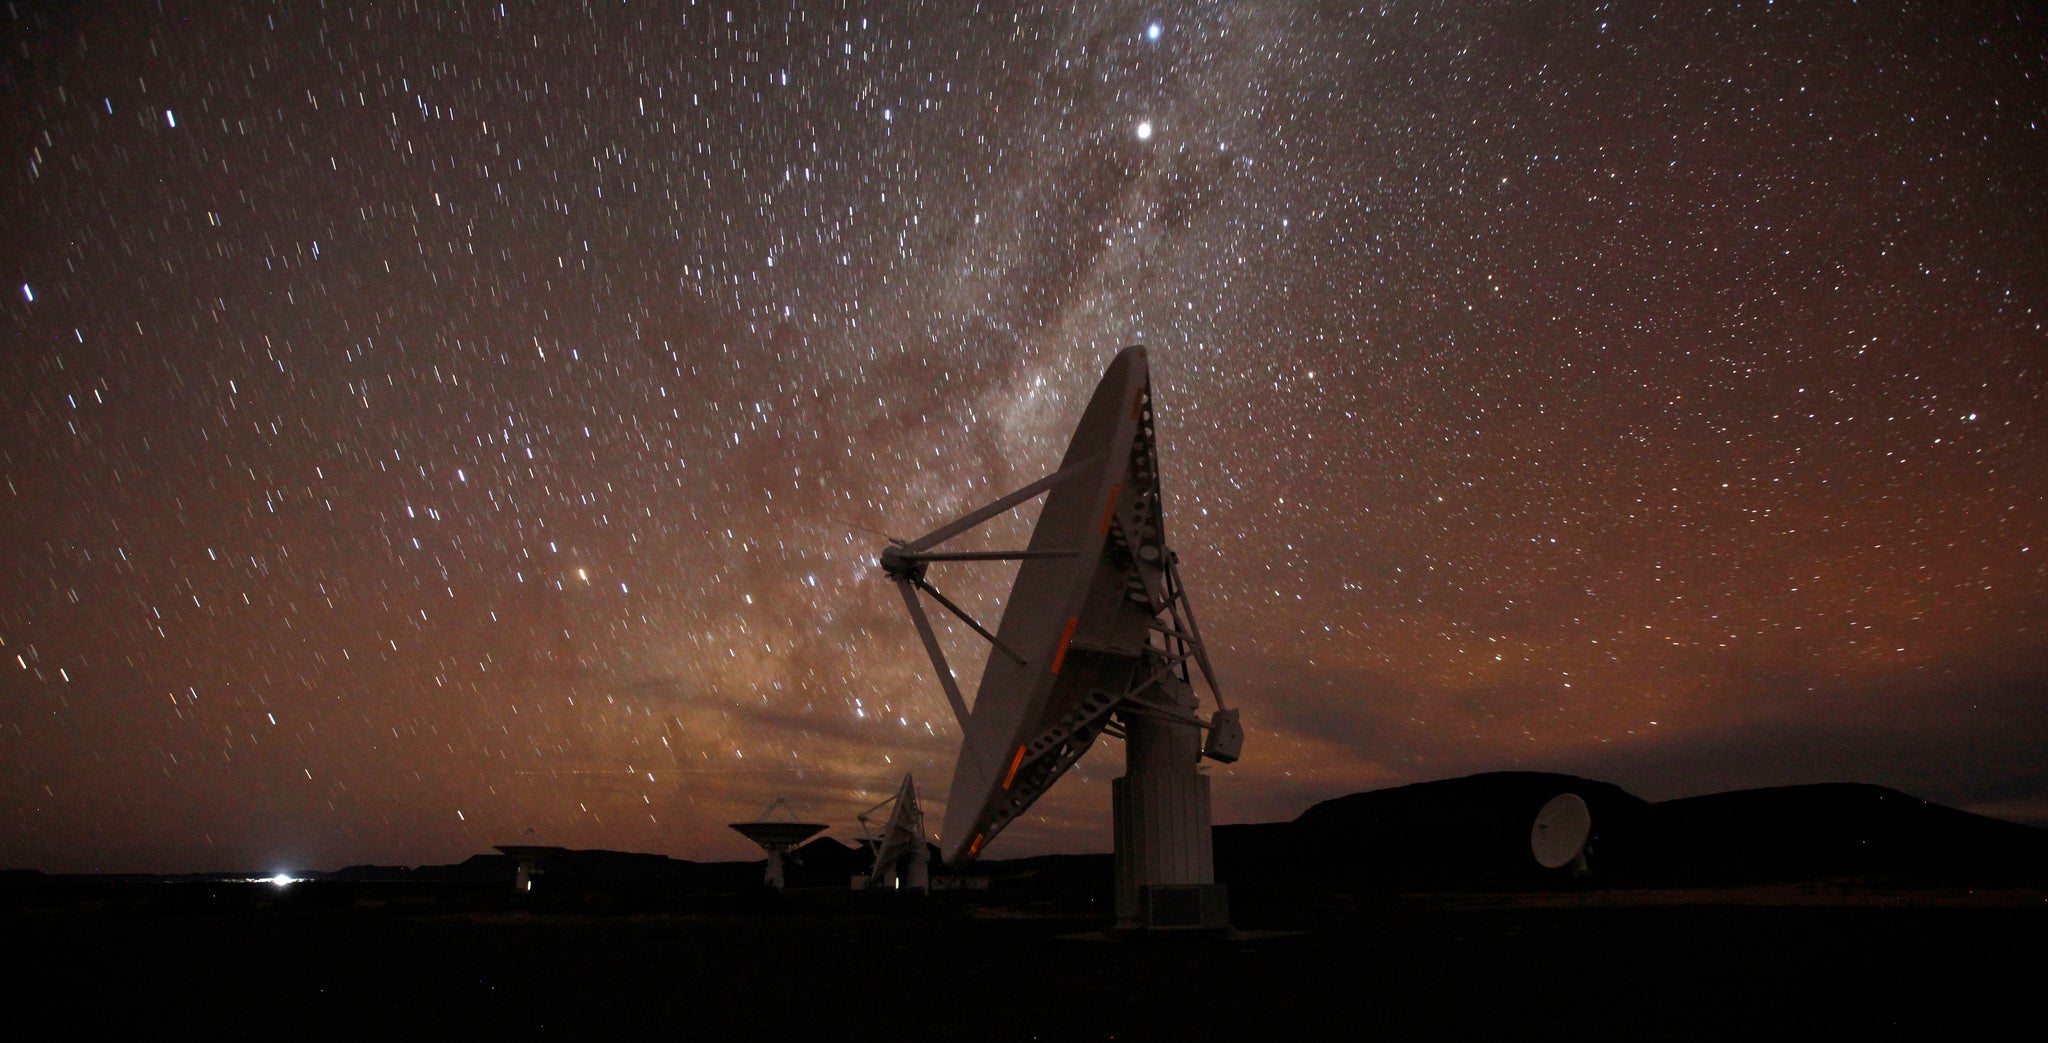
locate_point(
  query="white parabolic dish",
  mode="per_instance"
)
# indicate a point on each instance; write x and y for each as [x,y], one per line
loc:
[1021,699]
[1097,637]
[1560,831]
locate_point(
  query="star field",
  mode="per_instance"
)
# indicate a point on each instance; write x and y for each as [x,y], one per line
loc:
[430,425]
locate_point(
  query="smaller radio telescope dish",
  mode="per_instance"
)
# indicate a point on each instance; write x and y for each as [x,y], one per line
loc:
[531,858]
[777,837]
[901,861]
[1558,836]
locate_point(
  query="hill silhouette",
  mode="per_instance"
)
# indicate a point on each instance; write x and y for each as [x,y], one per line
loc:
[1832,831]
[1473,832]
[1469,833]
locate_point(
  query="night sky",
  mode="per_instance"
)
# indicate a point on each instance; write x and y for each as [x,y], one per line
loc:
[435,426]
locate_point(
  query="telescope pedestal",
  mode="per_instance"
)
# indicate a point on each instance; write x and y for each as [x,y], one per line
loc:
[1165,866]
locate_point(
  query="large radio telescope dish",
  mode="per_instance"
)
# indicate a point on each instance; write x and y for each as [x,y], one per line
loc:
[1097,636]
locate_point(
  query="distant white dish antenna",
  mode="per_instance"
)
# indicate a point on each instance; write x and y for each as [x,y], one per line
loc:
[530,858]
[901,862]
[1558,836]
[777,837]
[1098,638]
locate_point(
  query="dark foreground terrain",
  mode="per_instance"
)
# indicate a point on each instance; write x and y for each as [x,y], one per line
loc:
[328,960]
[1815,912]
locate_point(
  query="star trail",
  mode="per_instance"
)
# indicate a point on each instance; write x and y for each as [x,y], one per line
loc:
[430,426]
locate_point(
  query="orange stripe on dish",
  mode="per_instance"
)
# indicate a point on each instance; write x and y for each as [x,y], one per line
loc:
[1109,509]
[1066,639]
[1015,763]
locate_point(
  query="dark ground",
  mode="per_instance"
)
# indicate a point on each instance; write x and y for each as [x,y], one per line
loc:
[1819,912]
[340,961]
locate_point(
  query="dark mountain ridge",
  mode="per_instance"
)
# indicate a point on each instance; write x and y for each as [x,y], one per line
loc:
[1474,832]
[1469,833]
